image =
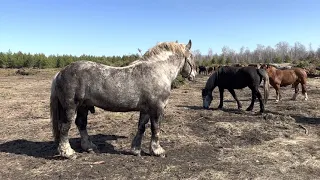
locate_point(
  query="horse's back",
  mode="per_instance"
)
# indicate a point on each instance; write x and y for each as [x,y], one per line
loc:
[238,77]
[290,76]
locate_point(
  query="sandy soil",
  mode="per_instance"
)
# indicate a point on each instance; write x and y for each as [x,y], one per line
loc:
[282,143]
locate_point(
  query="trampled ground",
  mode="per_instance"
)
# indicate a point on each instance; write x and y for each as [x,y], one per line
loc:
[200,144]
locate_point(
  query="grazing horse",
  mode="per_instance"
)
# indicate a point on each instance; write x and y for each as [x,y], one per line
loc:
[203,70]
[210,70]
[231,78]
[143,86]
[281,78]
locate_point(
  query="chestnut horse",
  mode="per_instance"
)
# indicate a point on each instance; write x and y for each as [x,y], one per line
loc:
[281,78]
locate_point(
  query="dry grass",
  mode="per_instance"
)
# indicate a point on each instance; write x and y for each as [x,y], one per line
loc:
[200,144]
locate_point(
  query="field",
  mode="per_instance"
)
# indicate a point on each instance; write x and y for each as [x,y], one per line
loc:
[282,143]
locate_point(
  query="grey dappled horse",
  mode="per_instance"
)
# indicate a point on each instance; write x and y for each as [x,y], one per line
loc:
[144,86]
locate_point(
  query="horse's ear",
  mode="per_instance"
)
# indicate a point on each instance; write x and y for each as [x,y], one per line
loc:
[188,46]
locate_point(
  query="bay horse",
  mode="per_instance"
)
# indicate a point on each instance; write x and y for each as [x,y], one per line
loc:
[143,86]
[228,77]
[281,78]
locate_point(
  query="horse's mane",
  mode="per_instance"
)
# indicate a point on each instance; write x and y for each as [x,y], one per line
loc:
[164,46]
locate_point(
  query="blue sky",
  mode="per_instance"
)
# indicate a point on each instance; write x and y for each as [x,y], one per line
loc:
[118,27]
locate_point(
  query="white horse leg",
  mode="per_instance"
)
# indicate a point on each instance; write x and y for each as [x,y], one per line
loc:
[306,96]
[64,147]
[155,118]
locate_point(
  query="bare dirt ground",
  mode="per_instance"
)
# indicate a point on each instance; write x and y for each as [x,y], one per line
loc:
[200,144]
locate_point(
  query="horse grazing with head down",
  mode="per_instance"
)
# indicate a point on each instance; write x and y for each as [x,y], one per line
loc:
[143,86]
[231,78]
[281,78]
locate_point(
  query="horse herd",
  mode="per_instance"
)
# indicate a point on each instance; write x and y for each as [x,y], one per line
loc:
[145,86]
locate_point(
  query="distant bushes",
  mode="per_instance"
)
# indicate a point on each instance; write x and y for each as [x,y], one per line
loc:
[19,60]
[179,81]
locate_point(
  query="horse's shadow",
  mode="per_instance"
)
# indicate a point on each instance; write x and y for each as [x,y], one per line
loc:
[299,119]
[47,149]
[228,110]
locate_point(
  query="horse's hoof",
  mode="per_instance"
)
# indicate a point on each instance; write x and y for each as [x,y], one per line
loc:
[93,151]
[136,152]
[69,156]
[162,155]
[249,109]
[66,151]
[157,150]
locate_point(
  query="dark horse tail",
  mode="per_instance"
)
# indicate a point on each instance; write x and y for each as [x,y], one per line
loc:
[57,114]
[266,87]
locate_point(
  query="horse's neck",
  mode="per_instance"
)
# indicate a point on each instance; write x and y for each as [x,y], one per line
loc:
[169,67]
[273,73]
[212,82]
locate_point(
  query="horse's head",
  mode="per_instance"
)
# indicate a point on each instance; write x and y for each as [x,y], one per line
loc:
[207,98]
[269,68]
[189,68]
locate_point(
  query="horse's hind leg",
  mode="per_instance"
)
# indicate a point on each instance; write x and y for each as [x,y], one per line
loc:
[235,97]
[64,147]
[296,90]
[81,122]
[136,143]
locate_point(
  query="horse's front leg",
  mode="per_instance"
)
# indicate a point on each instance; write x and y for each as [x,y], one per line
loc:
[235,97]
[81,122]
[136,142]
[155,148]
[221,91]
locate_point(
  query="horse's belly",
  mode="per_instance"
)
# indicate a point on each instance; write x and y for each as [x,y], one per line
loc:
[116,104]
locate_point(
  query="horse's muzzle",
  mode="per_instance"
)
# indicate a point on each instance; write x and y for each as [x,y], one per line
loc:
[206,107]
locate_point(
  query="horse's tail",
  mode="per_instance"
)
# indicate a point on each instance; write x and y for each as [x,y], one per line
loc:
[57,114]
[266,86]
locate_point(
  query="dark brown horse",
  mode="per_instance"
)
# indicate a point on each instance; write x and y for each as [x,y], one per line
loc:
[210,70]
[281,78]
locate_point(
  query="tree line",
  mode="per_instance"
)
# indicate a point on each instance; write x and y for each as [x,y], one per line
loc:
[282,52]
[40,60]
